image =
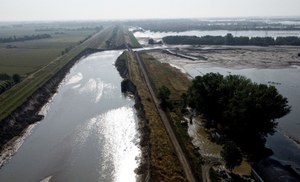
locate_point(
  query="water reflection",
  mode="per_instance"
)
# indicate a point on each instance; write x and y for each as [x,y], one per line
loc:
[89,132]
[250,33]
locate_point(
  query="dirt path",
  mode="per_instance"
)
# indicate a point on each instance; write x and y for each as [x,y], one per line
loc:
[209,162]
[182,158]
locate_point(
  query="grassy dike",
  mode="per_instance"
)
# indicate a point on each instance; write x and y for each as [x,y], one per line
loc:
[20,104]
[164,164]
[162,74]
[16,96]
[159,158]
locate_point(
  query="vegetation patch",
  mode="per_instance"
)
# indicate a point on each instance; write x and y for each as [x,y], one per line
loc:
[162,74]
[164,164]
[238,109]
[7,81]
[170,84]
[24,38]
[230,40]
[39,60]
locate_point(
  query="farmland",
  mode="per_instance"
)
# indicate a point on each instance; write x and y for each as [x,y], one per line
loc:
[26,57]
[39,60]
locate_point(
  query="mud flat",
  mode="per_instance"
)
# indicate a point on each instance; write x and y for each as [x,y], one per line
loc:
[278,66]
[236,57]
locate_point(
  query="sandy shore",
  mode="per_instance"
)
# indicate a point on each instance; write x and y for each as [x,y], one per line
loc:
[13,145]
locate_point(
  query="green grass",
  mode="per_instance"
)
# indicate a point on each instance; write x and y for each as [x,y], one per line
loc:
[38,60]
[134,41]
[130,38]
[30,56]
[164,164]
[18,94]
[162,74]
[14,97]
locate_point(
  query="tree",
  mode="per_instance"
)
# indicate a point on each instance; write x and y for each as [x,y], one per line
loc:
[164,96]
[243,111]
[231,154]
[151,41]
[4,76]
[229,39]
[16,78]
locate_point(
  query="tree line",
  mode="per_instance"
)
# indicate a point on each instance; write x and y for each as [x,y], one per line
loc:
[7,81]
[24,38]
[231,40]
[180,25]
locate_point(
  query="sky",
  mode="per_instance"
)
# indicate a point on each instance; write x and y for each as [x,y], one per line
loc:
[29,10]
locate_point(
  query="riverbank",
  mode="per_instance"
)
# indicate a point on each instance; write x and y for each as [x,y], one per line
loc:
[163,163]
[15,128]
[95,133]
[21,105]
[279,73]
[129,88]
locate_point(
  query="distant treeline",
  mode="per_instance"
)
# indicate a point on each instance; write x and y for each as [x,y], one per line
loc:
[230,40]
[7,81]
[68,29]
[24,38]
[180,25]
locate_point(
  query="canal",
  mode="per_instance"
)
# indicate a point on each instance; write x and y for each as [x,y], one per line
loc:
[89,132]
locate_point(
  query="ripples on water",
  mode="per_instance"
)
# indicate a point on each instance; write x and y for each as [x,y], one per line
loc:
[116,134]
[89,132]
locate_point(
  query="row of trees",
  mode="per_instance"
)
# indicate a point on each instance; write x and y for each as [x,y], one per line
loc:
[152,42]
[7,81]
[181,25]
[230,40]
[48,29]
[24,38]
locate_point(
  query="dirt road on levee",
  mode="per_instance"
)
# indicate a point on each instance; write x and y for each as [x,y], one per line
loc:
[179,152]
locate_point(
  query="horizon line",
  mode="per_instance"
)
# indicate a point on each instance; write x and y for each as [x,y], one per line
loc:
[141,19]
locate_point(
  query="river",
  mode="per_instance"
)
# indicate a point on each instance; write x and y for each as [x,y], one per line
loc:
[286,80]
[89,132]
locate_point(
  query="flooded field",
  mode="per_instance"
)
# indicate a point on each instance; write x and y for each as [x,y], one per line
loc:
[285,79]
[145,35]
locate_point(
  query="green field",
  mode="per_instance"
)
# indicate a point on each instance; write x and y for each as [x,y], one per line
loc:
[162,74]
[29,56]
[42,63]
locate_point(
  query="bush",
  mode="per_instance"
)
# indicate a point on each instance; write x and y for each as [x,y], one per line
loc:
[231,155]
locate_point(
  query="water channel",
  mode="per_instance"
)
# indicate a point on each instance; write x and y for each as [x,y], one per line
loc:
[200,33]
[89,132]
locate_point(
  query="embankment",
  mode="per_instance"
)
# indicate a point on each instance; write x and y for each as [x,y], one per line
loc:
[160,163]
[28,113]
[127,86]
